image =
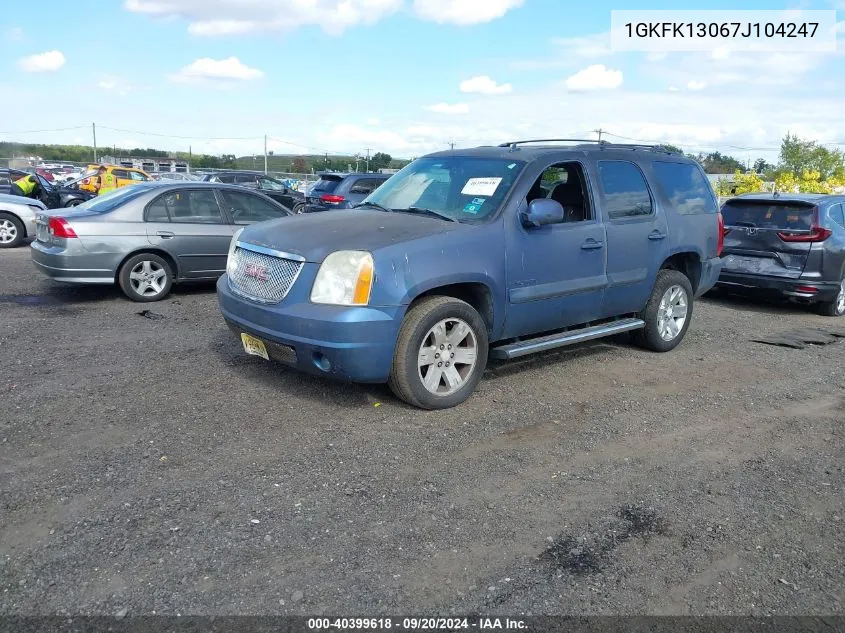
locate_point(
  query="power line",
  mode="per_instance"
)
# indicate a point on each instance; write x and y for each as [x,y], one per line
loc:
[201,138]
[60,129]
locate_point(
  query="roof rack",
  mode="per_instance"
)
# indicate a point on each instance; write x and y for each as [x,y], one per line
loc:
[602,144]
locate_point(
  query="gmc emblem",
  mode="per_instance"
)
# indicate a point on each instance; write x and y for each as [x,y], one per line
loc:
[256,272]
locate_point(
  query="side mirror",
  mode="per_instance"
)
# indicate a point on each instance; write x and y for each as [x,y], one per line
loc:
[541,212]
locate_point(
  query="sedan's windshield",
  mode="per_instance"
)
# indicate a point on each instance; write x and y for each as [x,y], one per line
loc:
[464,188]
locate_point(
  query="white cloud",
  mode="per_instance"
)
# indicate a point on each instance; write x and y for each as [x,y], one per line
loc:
[236,17]
[449,108]
[42,62]
[373,121]
[696,85]
[114,85]
[595,77]
[595,45]
[721,53]
[463,12]
[673,89]
[485,86]
[205,68]
[657,56]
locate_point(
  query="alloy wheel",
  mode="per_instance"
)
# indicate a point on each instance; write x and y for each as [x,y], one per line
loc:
[8,231]
[672,313]
[447,356]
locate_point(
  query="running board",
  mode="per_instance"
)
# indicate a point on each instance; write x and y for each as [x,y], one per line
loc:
[532,346]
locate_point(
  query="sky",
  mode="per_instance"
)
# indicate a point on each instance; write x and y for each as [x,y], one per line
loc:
[405,77]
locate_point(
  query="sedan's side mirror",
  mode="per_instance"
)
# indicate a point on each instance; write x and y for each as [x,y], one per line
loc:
[540,212]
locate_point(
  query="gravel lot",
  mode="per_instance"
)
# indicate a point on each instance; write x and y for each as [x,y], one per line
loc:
[148,465]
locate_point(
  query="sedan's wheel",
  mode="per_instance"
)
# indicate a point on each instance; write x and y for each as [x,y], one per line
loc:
[299,208]
[440,355]
[12,232]
[835,308]
[667,314]
[146,277]
[74,203]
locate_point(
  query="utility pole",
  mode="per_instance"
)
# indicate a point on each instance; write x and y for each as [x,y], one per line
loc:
[368,159]
[451,145]
[327,160]
[94,131]
[265,154]
[599,132]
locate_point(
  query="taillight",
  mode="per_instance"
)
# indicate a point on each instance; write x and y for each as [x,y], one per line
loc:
[58,227]
[331,198]
[86,181]
[817,232]
[720,240]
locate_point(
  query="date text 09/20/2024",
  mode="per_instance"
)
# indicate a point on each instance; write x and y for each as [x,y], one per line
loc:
[415,624]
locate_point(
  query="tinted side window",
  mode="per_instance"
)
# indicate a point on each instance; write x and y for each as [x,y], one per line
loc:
[625,193]
[120,173]
[137,176]
[189,207]
[366,185]
[685,187]
[157,211]
[245,208]
[837,214]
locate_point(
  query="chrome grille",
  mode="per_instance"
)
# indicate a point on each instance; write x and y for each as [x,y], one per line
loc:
[264,278]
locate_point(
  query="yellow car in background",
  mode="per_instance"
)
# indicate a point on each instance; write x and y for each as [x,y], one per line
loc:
[122,176]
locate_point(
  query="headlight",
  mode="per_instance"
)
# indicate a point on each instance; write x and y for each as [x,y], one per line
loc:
[345,278]
[231,266]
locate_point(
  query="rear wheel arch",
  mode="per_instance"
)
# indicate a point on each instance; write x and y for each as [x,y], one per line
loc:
[14,216]
[174,266]
[688,263]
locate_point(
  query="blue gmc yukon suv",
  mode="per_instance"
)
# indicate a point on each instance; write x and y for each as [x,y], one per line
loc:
[467,254]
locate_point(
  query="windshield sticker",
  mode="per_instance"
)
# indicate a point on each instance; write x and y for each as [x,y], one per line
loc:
[481,186]
[474,206]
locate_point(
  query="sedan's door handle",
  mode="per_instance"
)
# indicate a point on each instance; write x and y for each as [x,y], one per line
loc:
[165,234]
[656,235]
[591,244]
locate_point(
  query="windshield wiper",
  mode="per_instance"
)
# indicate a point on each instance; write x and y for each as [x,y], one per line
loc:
[436,214]
[375,205]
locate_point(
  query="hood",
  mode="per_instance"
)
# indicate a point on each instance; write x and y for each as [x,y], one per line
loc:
[10,199]
[315,235]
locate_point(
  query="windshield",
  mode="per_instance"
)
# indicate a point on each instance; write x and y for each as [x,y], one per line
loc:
[110,201]
[465,188]
[326,184]
[270,184]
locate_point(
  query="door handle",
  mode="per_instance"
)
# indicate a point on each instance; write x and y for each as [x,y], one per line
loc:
[591,244]
[165,234]
[656,235]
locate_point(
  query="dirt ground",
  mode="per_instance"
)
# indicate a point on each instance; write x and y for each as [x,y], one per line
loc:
[149,465]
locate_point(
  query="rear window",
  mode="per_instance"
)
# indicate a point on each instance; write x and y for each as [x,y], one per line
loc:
[326,185]
[687,189]
[769,215]
[112,200]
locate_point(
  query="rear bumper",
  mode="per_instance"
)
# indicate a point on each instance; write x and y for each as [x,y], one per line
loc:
[710,271]
[347,343]
[748,283]
[63,265]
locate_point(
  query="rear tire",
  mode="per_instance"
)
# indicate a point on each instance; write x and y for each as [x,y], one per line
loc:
[73,203]
[835,308]
[299,208]
[146,277]
[12,231]
[440,355]
[667,314]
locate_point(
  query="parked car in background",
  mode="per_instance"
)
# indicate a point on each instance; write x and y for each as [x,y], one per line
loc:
[461,250]
[123,176]
[17,219]
[175,175]
[147,237]
[54,195]
[342,191]
[276,189]
[790,245]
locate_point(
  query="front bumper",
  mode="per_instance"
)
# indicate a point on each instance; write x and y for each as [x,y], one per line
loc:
[785,287]
[346,343]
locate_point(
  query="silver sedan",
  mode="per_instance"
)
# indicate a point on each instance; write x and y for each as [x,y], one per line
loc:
[147,237]
[17,219]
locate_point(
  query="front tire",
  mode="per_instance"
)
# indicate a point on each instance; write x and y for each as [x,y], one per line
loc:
[440,355]
[835,308]
[667,314]
[146,277]
[299,208]
[12,231]
[73,203]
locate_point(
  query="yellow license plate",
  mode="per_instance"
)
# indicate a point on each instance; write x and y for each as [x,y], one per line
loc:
[254,346]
